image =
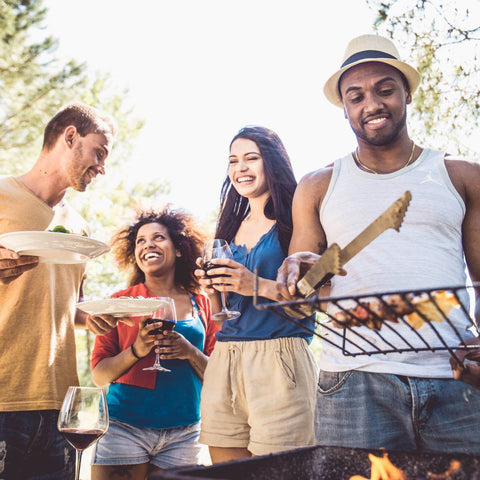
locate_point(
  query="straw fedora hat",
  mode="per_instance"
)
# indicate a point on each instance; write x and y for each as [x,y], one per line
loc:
[369,48]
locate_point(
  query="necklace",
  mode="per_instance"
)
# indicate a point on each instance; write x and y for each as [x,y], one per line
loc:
[356,157]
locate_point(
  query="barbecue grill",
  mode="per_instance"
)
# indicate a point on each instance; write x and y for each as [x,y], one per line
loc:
[333,463]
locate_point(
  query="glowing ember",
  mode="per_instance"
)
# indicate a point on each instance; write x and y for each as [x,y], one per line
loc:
[382,469]
[454,467]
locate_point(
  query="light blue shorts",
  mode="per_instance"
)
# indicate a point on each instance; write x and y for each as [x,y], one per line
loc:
[124,444]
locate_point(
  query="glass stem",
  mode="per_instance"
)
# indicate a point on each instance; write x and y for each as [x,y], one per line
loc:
[78,462]
[224,305]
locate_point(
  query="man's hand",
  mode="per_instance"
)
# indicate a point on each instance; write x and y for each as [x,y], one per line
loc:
[292,269]
[12,265]
[102,324]
[469,368]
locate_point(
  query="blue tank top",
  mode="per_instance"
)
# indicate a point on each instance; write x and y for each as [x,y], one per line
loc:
[175,401]
[253,324]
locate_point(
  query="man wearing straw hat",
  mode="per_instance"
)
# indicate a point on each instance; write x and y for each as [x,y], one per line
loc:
[399,401]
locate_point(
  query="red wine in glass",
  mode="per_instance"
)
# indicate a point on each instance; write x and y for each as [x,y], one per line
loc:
[166,314]
[167,325]
[83,419]
[218,248]
[81,439]
[209,265]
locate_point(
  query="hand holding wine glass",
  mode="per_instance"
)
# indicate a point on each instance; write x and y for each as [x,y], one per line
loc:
[83,419]
[168,316]
[218,248]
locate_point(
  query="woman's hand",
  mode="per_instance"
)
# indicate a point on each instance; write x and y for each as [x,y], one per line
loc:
[145,341]
[203,278]
[109,369]
[234,277]
[173,345]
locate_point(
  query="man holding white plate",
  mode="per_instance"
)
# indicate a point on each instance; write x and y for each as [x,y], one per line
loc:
[38,293]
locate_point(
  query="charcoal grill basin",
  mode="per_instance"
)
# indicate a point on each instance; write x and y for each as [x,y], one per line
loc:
[329,463]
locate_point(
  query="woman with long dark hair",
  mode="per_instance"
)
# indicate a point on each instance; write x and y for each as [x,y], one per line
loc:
[154,416]
[259,386]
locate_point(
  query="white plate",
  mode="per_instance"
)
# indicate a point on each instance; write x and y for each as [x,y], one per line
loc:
[122,307]
[54,247]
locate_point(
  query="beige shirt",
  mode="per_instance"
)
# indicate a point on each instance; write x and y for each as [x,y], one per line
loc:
[37,336]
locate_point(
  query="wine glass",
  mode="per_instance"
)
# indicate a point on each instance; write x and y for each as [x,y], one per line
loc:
[218,248]
[167,314]
[83,419]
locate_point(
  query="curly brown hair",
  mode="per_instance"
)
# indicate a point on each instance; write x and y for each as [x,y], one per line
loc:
[186,235]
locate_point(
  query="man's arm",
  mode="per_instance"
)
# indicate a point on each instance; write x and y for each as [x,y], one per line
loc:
[308,238]
[308,234]
[471,227]
[466,179]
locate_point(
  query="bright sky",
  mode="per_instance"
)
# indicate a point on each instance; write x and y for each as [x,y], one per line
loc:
[198,71]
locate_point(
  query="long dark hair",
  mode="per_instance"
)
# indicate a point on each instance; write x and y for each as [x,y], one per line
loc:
[187,237]
[281,184]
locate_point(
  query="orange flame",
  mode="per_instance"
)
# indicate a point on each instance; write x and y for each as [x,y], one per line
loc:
[382,469]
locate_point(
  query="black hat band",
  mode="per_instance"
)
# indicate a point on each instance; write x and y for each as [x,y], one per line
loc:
[366,54]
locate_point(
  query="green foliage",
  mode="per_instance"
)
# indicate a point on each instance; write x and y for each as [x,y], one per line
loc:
[32,83]
[442,39]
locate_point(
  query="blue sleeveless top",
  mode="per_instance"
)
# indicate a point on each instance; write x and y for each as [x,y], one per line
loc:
[253,324]
[175,401]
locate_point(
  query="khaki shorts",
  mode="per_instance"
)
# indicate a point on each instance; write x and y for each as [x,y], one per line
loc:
[259,395]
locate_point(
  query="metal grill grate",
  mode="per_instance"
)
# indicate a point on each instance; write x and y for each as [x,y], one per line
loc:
[439,327]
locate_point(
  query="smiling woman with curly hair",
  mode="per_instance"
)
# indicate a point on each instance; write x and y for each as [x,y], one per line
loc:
[154,416]
[184,233]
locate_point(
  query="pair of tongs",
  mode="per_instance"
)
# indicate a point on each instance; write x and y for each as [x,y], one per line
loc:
[334,258]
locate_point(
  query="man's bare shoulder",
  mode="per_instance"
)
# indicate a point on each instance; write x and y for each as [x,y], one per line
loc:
[464,174]
[464,169]
[318,179]
[458,162]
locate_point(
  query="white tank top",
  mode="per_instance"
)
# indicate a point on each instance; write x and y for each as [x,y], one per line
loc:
[426,253]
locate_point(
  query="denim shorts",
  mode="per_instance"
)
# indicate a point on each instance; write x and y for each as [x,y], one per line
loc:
[31,447]
[375,410]
[125,444]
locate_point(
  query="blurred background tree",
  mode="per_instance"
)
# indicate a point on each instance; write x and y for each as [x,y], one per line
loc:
[442,39]
[34,84]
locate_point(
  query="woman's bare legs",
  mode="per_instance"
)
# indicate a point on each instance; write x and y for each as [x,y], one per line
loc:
[120,472]
[225,454]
